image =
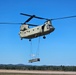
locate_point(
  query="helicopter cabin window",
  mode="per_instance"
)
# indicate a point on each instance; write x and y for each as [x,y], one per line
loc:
[37,28]
[28,31]
[33,29]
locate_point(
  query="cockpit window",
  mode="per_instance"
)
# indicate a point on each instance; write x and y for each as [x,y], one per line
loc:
[49,26]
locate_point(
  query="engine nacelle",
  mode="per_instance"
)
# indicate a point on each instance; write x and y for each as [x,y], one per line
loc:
[48,22]
[24,27]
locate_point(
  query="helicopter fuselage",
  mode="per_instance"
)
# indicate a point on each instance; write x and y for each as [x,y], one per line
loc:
[30,33]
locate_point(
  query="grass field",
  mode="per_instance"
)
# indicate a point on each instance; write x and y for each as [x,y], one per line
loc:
[30,74]
[24,74]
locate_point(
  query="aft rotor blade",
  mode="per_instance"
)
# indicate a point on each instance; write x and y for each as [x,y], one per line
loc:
[64,17]
[41,18]
[25,14]
[29,19]
[34,16]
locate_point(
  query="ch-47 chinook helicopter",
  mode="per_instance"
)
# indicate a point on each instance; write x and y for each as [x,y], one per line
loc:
[30,33]
[39,30]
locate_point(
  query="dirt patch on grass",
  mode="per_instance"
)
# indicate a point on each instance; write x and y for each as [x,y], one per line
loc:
[37,72]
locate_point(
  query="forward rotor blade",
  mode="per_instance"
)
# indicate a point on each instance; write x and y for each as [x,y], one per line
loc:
[32,25]
[64,17]
[17,23]
[9,23]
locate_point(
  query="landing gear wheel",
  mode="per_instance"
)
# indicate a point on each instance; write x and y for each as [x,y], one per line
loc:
[21,38]
[44,37]
[29,39]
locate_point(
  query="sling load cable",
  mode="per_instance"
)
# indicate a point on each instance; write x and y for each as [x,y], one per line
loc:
[32,55]
[31,49]
[37,52]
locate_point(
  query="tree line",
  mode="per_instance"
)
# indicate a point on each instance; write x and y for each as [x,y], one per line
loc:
[43,67]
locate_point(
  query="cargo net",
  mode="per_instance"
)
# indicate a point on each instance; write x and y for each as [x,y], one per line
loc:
[34,54]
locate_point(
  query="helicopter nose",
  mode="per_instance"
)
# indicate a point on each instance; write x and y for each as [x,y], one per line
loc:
[53,29]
